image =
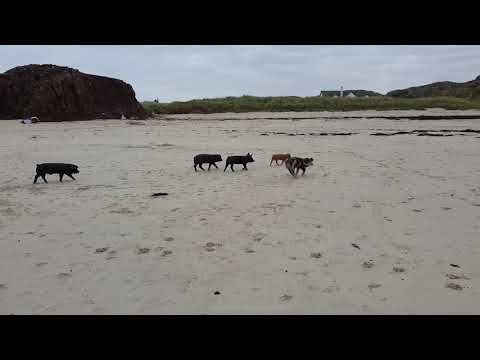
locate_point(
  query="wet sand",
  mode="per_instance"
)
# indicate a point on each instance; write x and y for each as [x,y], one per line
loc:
[379,224]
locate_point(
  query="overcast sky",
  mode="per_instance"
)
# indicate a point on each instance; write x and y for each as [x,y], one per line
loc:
[170,72]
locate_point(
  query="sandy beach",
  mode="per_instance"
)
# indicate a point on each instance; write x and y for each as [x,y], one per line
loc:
[379,224]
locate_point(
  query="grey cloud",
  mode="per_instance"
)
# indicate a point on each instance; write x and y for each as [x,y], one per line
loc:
[170,72]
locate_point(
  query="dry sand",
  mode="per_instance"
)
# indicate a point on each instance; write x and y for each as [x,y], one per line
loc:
[266,242]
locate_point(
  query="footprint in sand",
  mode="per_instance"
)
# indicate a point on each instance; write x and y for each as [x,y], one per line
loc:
[122,211]
[101,250]
[301,273]
[169,238]
[316,255]
[63,276]
[401,247]
[40,264]
[457,277]
[143,251]
[210,246]
[374,286]
[258,237]
[397,269]
[454,286]
[111,255]
[3,286]
[167,252]
[330,289]
[286,297]
[368,264]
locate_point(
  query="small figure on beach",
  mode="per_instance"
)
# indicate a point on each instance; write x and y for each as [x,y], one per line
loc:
[209,159]
[279,157]
[295,164]
[55,168]
[244,160]
[30,120]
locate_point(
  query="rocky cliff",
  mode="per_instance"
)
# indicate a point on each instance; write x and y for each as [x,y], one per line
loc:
[55,93]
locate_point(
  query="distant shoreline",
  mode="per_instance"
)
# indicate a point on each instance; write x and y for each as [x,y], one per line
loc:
[427,114]
[414,117]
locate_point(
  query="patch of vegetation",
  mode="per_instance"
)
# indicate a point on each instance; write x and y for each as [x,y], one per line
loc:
[315,103]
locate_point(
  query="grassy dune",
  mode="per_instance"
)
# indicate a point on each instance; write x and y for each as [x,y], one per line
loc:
[315,103]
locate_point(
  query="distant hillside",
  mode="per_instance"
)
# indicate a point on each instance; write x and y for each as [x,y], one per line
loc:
[468,90]
[314,103]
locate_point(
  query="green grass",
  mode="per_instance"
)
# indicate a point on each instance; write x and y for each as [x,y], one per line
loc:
[315,103]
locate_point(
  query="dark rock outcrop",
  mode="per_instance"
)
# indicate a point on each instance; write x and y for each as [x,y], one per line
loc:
[55,93]
[469,89]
